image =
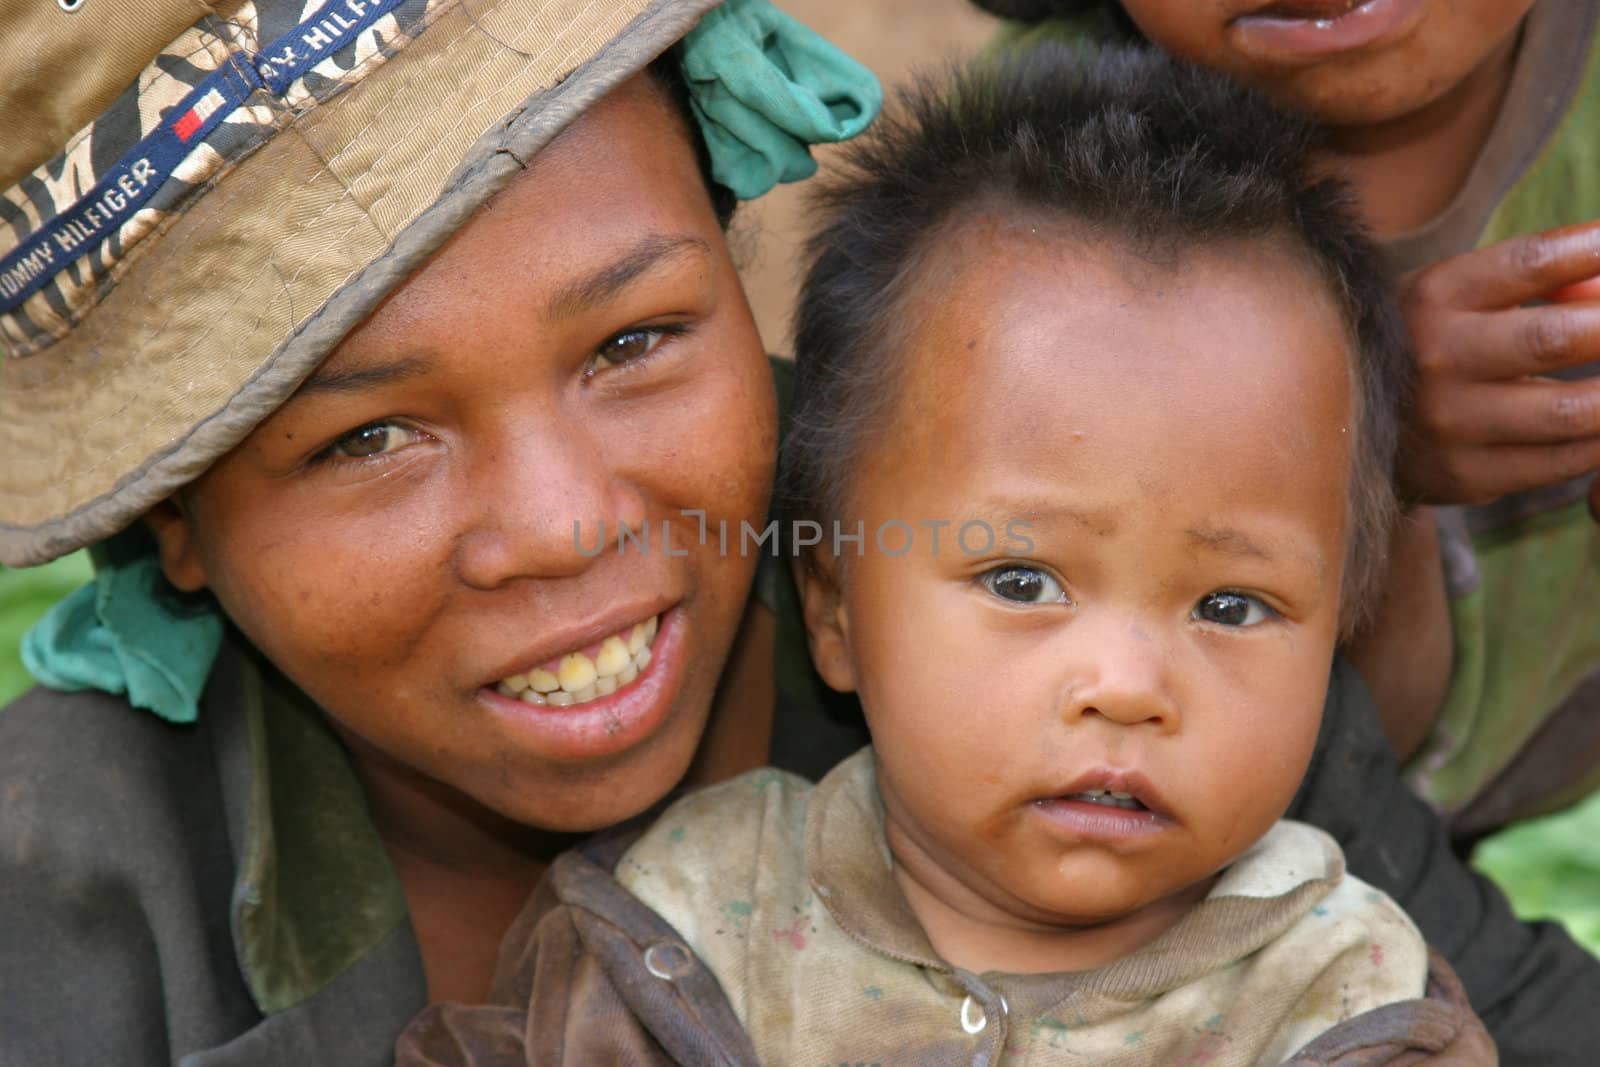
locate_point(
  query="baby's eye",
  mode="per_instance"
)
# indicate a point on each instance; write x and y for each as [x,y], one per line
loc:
[1023,585]
[630,345]
[373,439]
[1231,609]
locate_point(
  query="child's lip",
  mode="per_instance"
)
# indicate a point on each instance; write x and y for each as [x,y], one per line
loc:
[1308,9]
[1307,29]
[1116,780]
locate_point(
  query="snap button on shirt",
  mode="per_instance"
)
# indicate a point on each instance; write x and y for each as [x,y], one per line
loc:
[668,960]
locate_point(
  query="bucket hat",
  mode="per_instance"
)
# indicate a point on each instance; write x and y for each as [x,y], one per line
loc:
[199,200]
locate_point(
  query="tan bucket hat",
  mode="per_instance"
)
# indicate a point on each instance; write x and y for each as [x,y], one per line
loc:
[241,184]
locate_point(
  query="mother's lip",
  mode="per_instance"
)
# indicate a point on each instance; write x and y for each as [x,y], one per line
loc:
[556,642]
[607,725]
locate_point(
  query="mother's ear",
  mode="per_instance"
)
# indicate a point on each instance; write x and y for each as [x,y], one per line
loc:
[172,525]
[827,621]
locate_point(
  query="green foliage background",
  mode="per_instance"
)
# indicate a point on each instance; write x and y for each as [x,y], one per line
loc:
[1550,868]
[24,596]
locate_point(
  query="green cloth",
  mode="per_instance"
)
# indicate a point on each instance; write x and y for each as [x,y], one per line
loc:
[315,890]
[764,87]
[120,635]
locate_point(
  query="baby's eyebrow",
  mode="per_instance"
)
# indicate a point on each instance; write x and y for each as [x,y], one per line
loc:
[1225,540]
[596,288]
[1101,523]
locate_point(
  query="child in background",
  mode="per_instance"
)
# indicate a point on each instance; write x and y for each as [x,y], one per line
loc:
[1100,324]
[1470,132]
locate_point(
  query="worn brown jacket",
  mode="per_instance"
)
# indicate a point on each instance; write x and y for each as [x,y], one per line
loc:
[589,975]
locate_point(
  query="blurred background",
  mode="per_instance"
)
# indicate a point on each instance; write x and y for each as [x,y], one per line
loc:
[1549,867]
[893,37]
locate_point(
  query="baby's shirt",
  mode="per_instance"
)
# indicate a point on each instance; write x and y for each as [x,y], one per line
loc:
[787,893]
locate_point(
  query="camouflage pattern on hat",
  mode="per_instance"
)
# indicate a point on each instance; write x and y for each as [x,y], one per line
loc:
[103,192]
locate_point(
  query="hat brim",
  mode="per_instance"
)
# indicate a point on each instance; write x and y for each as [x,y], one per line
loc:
[214,322]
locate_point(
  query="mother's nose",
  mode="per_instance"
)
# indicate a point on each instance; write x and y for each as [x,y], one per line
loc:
[1119,671]
[541,496]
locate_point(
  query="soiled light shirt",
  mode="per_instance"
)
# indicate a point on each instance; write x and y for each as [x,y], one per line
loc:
[787,891]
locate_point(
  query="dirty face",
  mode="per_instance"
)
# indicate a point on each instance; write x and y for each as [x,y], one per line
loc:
[411,538]
[1344,62]
[1087,716]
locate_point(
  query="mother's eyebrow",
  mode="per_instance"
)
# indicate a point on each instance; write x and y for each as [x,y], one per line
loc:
[601,285]
[336,380]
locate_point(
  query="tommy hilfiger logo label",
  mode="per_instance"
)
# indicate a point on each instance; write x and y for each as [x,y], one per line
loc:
[132,180]
[191,121]
[321,35]
[126,185]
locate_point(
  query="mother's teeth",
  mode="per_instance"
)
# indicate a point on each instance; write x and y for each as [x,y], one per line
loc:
[577,672]
[577,678]
[612,657]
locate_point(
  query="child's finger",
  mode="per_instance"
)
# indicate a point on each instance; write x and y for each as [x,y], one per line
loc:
[1496,471]
[1535,411]
[1516,270]
[1499,345]
[1589,290]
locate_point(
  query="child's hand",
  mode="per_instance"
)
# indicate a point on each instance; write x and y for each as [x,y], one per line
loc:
[1484,424]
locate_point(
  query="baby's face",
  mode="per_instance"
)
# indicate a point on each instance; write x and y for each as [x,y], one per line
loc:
[1345,62]
[1174,444]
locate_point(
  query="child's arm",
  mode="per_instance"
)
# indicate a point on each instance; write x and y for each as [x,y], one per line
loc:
[1404,652]
[1484,422]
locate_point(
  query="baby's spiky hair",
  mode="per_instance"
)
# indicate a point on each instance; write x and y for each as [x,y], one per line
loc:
[1129,147]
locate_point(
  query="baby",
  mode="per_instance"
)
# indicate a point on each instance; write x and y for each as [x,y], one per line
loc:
[1097,403]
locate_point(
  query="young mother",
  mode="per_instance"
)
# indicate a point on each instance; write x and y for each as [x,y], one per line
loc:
[331,320]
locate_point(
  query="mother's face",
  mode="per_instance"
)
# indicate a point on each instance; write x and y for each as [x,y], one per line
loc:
[399,537]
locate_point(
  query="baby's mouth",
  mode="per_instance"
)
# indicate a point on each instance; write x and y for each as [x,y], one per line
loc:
[586,674]
[1107,798]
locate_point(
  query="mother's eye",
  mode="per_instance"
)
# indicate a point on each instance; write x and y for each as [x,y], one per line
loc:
[1229,608]
[1023,585]
[632,344]
[371,441]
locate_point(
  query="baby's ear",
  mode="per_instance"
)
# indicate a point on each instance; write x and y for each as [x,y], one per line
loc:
[170,524]
[827,620]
